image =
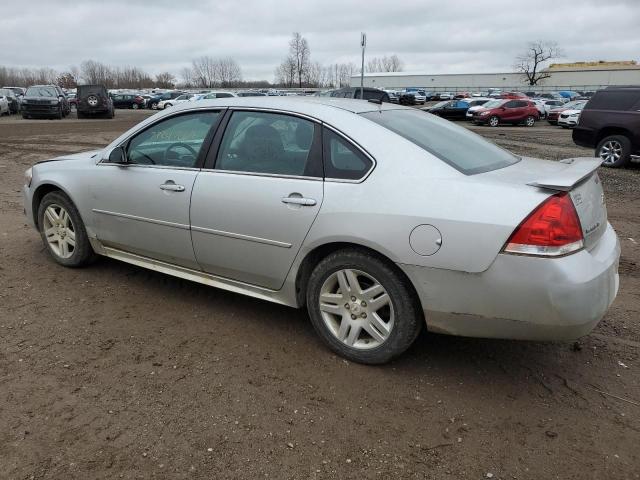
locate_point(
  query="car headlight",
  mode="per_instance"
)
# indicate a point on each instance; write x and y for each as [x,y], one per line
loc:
[28,176]
[484,113]
[53,102]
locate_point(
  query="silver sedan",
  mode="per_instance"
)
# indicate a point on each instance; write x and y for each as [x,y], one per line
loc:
[378,219]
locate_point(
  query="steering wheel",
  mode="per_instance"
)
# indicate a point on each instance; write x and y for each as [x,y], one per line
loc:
[179,144]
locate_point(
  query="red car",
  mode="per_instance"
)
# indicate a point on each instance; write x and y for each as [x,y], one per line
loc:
[554,113]
[507,111]
[513,95]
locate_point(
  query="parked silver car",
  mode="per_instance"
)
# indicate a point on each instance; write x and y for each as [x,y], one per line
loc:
[377,218]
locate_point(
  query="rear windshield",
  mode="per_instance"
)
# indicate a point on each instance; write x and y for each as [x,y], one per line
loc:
[462,149]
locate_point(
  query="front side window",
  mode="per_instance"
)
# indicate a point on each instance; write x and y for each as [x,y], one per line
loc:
[342,160]
[271,143]
[174,142]
[462,149]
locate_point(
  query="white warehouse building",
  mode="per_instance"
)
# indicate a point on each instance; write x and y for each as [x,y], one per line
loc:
[582,76]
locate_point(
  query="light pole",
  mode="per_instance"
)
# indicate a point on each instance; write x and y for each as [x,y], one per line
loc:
[363,44]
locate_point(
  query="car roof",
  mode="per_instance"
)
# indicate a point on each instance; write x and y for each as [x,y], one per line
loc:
[299,104]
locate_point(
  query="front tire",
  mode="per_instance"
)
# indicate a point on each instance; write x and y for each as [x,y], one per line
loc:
[614,151]
[362,308]
[494,121]
[63,232]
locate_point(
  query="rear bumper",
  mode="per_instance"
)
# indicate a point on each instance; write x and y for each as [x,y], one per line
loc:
[520,297]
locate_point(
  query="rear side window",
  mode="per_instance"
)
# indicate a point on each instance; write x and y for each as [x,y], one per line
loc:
[462,149]
[620,100]
[343,160]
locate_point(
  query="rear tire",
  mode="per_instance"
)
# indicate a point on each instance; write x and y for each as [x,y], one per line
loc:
[63,232]
[614,151]
[530,121]
[134,106]
[383,320]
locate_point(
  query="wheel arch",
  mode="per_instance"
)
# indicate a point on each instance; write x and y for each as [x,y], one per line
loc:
[318,253]
[608,131]
[40,192]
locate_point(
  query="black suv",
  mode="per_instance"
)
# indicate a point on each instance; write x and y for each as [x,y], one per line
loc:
[94,100]
[45,101]
[610,123]
[368,93]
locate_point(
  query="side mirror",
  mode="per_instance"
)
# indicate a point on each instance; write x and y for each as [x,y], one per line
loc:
[118,156]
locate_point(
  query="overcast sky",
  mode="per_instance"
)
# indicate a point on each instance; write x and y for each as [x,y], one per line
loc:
[429,36]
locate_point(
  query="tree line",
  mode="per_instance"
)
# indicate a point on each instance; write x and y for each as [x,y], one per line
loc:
[296,70]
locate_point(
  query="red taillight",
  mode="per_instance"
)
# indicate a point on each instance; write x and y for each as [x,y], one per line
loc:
[552,229]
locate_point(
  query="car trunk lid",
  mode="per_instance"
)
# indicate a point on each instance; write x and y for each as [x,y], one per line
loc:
[577,176]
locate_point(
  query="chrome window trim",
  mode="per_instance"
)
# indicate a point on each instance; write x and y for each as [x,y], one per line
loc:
[139,165]
[164,223]
[361,149]
[259,174]
[240,236]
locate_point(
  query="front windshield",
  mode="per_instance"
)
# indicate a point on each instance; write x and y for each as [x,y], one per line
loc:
[493,103]
[462,149]
[42,92]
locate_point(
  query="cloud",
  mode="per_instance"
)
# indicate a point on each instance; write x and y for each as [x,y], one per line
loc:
[430,36]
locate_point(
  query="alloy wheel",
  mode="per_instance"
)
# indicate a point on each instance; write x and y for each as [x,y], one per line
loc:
[59,231]
[494,121]
[356,309]
[530,121]
[611,152]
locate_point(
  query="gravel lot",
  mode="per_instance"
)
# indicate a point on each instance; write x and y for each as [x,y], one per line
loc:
[117,372]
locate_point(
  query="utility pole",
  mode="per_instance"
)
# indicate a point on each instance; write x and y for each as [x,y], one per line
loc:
[363,44]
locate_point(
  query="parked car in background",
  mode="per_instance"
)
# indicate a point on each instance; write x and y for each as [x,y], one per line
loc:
[127,100]
[508,111]
[513,95]
[487,102]
[420,96]
[18,91]
[610,123]
[456,109]
[72,99]
[252,93]
[185,97]
[221,94]
[376,219]
[93,100]
[553,96]
[45,101]
[569,117]
[445,96]
[559,107]
[12,100]
[4,105]
[393,96]
[152,103]
[368,93]
[569,94]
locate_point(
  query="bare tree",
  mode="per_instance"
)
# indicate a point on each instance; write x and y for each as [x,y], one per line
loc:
[286,72]
[187,77]
[165,80]
[299,51]
[96,73]
[385,64]
[204,72]
[66,80]
[228,72]
[531,62]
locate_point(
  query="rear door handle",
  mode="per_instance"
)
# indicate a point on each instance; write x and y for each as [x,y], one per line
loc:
[171,186]
[307,202]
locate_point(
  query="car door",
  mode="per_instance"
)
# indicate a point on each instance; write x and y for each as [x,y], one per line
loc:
[254,203]
[510,111]
[142,206]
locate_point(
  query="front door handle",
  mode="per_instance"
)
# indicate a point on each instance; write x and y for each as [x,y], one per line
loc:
[171,186]
[307,202]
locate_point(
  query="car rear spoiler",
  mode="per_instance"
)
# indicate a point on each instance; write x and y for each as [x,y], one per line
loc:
[577,170]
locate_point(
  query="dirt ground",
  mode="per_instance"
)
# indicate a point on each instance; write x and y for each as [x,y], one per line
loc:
[117,372]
